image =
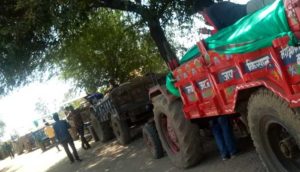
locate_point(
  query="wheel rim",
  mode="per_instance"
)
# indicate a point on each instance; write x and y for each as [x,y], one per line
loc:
[169,134]
[282,144]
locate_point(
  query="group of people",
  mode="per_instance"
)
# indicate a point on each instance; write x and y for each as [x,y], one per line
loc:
[59,132]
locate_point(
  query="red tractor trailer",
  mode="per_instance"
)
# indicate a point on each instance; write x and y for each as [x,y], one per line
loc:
[250,69]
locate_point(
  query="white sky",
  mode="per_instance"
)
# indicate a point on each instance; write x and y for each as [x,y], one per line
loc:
[17,109]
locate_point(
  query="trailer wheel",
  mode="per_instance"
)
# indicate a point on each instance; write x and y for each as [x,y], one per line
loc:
[121,130]
[152,141]
[274,128]
[180,138]
[42,146]
[103,130]
[27,144]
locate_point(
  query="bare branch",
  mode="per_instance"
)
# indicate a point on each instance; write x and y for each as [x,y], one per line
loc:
[123,5]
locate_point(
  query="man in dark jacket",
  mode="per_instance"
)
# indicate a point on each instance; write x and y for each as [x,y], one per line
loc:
[63,136]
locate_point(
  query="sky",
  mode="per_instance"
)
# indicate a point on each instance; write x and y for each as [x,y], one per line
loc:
[18,108]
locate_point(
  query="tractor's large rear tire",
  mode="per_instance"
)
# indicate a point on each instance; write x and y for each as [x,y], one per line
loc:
[121,130]
[180,138]
[103,129]
[274,128]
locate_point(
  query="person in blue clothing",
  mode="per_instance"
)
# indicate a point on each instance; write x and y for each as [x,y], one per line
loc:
[224,137]
[63,136]
[223,14]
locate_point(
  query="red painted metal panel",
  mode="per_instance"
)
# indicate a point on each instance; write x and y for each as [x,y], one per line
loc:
[209,84]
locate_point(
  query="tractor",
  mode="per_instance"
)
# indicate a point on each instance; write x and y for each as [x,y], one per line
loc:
[250,69]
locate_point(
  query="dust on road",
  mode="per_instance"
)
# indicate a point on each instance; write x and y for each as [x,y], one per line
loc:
[112,157]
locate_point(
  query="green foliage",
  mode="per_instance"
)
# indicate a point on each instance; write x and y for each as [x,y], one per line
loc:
[30,28]
[106,48]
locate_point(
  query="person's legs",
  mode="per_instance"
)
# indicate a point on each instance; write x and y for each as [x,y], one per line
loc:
[53,141]
[84,143]
[74,150]
[67,150]
[217,132]
[228,134]
[81,135]
[11,154]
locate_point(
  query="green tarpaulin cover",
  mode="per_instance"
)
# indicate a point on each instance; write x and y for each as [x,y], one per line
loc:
[252,32]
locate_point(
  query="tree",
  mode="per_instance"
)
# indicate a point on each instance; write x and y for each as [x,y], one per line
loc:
[106,48]
[2,126]
[28,29]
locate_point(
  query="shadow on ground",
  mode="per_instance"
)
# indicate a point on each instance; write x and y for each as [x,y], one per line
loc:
[112,157]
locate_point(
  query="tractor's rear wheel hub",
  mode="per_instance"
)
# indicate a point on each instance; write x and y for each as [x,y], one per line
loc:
[288,148]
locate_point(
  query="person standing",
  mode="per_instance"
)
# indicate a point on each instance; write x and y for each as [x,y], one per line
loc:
[49,131]
[79,125]
[63,136]
[224,137]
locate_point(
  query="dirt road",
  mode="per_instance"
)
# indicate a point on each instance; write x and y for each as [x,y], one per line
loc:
[112,157]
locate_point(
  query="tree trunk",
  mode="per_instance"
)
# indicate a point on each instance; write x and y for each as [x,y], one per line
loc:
[162,43]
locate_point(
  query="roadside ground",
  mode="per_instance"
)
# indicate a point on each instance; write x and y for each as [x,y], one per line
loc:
[112,157]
